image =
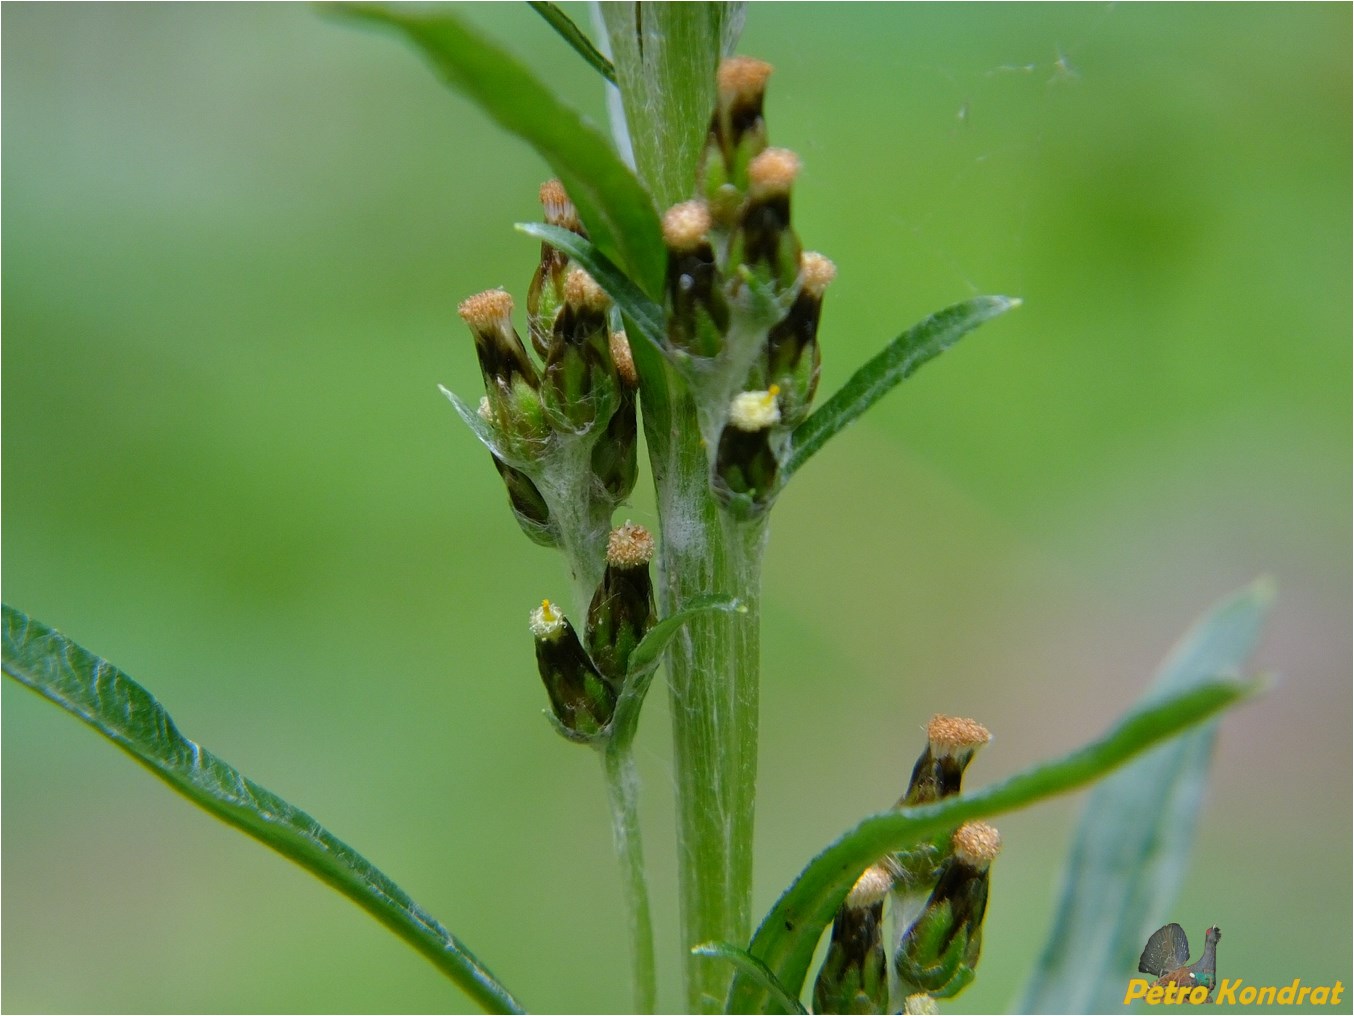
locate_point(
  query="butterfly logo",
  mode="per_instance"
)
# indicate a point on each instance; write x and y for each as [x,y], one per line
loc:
[1166,957]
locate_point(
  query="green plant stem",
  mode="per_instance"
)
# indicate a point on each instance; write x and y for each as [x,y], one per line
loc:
[623,790]
[713,670]
[622,782]
[665,55]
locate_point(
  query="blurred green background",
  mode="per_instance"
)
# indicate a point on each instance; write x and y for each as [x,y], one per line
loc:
[234,240]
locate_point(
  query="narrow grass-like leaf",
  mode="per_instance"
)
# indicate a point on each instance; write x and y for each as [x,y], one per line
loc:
[644,660]
[613,204]
[1132,846]
[117,707]
[924,341]
[788,935]
[755,971]
[575,37]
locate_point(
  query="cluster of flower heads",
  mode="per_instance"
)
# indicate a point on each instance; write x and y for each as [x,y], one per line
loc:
[741,302]
[938,892]
[563,438]
[564,434]
[584,677]
[741,299]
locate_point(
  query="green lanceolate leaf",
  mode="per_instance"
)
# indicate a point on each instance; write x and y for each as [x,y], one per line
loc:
[644,660]
[788,935]
[755,971]
[613,204]
[117,707]
[575,37]
[1132,846]
[900,359]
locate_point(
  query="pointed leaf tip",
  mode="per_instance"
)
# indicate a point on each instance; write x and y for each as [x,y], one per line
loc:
[898,361]
[575,37]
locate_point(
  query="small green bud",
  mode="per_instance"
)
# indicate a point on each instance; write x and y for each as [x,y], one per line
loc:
[528,506]
[746,466]
[854,975]
[939,952]
[737,134]
[764,241]
[546,295]
[622,609]
[580,380]
[697,312]
[614,456]
[581,700]
[793,360]
[517,418]
[951,743]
